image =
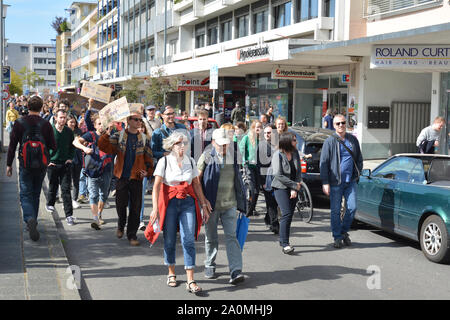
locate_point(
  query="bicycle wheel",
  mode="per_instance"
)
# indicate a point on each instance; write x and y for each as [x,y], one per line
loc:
[304,205]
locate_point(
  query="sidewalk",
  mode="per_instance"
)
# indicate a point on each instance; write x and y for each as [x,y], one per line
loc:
[29,270]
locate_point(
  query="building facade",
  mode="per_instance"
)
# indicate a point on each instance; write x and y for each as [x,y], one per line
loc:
[38,58]
[63,60]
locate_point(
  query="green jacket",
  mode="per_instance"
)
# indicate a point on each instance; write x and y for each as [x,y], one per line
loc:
[248,150]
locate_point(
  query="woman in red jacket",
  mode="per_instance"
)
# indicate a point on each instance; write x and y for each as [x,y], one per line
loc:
[177,191]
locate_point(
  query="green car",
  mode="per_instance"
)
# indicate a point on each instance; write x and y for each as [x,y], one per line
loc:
[409,195]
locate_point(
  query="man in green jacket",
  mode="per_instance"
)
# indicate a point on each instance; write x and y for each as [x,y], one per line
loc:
[59,168]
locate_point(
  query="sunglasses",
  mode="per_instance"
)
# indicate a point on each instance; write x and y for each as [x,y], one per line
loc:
[136,119]
[169,114]
[340,123]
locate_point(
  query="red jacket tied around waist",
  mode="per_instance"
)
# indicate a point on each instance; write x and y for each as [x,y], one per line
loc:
[167,193]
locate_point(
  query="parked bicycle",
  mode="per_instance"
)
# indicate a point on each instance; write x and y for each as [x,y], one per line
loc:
[304,205]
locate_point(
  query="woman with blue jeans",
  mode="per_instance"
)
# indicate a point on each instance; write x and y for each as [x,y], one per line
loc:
[176,192]
[286,182]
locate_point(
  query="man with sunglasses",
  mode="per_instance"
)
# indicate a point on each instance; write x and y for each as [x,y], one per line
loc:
[167,128]
[134,162]
[340,164]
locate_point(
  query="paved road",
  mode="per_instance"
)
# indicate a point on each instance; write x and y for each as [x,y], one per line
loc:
[112,269]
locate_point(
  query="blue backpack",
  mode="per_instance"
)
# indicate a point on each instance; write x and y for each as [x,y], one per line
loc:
[95,163]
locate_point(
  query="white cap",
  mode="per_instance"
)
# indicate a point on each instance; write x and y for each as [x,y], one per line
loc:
[220,136]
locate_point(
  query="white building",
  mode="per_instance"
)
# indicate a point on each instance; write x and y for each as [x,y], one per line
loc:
[40,58]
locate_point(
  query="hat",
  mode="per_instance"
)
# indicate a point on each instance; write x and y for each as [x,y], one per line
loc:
[150,107]
[220,136]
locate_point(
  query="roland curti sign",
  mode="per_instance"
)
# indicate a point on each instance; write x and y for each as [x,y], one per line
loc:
[434,57]
[253,54]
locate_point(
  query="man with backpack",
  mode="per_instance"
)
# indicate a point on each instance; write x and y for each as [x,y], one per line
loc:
[134,162]
[59,169]
[35,136]
[98,168]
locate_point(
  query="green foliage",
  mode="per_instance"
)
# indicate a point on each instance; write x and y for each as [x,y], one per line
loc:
[155,92]
[60,25]
[29,77]
[131,90]
[16,84]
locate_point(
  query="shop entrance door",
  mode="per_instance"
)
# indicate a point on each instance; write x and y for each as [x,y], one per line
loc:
[447,137]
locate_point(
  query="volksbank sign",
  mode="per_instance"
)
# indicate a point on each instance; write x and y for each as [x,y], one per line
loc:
[411,57]
[294,73]
[253,54]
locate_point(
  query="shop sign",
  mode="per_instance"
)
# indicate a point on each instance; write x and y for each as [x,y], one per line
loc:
[411,57]
[253,54]
[293,73]
[195,84]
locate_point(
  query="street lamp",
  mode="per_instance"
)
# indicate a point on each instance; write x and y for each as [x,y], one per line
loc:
[3,11]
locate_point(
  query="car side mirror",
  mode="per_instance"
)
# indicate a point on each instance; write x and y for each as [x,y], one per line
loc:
[366,173]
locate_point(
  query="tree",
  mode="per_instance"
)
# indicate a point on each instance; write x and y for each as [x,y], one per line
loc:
[131,90]
[160,85]
[29,78]
[16,84]
[60,25]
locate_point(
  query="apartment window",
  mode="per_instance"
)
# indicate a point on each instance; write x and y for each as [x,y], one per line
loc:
[200,35]
[52,50]
[173,47]
[242,26]
[130,55]
[261,21]
[151,9]
[329,8]
[225,29]
[307,9]
[40,50]
[41,72]
[150,52]
[51,72]
[136,55]
[282,14]
[212,32]
[40,61]
[142,53]
[51,83]
[51,61]
[24,49]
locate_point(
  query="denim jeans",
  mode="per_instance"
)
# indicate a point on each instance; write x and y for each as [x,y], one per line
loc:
[348,190]
[83,184]
[30,182]
[144,189]
[99,187]
[287,207]
[180,212]
[76,169]
[232,246]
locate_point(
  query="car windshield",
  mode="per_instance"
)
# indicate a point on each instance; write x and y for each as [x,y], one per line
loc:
[439,170]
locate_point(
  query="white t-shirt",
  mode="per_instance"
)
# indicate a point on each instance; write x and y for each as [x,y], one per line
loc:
[173,175]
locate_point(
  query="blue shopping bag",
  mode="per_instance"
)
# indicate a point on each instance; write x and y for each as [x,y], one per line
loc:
[242,229]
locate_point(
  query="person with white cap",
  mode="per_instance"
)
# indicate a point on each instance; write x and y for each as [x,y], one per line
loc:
[223,187]
[134,162]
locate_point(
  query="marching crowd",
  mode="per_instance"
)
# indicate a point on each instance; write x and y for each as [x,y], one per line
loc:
[196,176]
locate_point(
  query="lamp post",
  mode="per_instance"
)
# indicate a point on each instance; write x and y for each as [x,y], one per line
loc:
[3,9]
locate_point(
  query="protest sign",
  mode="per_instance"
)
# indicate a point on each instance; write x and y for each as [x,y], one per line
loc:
[78,103]
[115,111]
[96,92]
[136,107]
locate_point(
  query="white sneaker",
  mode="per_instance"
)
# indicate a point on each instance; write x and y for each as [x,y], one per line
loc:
[75,204]
[106,205]
[50,209]
[142,226]
[70,220]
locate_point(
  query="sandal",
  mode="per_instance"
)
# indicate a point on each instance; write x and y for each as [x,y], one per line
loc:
[193,289]
[172,280]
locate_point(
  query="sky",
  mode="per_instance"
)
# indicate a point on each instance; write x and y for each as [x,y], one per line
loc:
[29,21]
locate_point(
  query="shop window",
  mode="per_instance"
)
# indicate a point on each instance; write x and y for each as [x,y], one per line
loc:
[282,14]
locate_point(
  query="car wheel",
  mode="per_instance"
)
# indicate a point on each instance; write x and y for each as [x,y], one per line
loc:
[434,239]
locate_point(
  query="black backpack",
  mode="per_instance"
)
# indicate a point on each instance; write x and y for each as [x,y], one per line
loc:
[33,152]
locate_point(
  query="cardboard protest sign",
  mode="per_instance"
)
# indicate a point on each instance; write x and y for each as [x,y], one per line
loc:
[136,107]
[115,111]
[96,92]
[78,102]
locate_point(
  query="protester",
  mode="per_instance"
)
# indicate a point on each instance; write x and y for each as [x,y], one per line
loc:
[151,123]
[248,147]
[200,136]
[270,115]
[428,139]
[185,120]
[281,125]
[238,113]
[77,161]
[264,120]
[286,183]
[133,163]
[239,131]
[11,116]
[59,169]
[266,149]
[98,179]
[167,128]
[328,120]
[177,192]
[143,130]
[223,187]
[30,179]
[340,164]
